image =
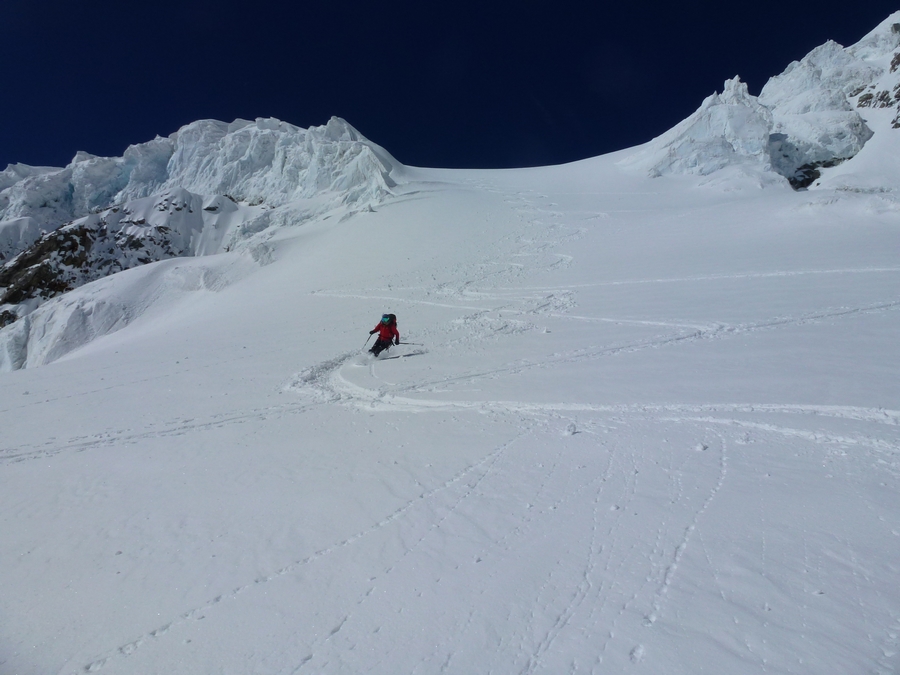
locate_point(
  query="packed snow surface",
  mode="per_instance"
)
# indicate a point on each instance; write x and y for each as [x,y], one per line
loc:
[641,426]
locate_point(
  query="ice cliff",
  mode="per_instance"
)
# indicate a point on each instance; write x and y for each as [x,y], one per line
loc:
[816,114]
[205,188]
[729,129]
[263,161]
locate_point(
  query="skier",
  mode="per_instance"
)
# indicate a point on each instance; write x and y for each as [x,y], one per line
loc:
[387,332]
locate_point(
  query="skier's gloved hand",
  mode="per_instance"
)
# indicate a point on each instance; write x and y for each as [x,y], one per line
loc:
[397,341]
[371,332]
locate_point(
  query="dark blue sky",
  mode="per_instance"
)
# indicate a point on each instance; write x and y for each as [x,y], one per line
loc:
[461,84]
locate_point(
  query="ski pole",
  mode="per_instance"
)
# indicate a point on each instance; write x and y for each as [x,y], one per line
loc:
[367,340]
[417,344]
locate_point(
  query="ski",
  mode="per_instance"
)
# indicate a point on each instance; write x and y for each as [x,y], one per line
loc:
[401,356]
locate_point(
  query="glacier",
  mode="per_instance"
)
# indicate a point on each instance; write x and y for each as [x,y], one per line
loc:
[731,129]
[812,116]
[117,211]
[646,419]
[263,161]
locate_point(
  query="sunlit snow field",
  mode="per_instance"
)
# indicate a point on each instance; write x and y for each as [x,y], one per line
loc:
[646,426]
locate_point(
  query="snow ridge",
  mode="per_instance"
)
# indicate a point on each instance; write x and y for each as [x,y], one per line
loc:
[263,161]
[810,117]
[728,129]
[208,187]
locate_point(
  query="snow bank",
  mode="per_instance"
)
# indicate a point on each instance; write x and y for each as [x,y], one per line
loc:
[15,173]
[821,80]
[881,41]
[46,197]
[814,120]
[263,161]
[176,223]
[52,332]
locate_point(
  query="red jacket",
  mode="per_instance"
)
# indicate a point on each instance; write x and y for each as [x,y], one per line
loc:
[386,332]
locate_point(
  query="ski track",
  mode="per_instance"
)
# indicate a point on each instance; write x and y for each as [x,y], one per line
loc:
[672,566]
[597,603]
[672,538]
[482,468]
[129,436]
[384,398]
[469,489]
[332,384]
[576,597]
[591,607]
[499,291]
[587,586]
[542,303]
[777,274]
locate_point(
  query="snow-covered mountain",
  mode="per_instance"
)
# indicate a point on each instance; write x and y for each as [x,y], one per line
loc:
[646,419]
[213,187]
[207,188]
[816,114]
[266,161]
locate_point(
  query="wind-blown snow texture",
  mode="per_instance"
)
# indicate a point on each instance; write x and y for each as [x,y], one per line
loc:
[648,425]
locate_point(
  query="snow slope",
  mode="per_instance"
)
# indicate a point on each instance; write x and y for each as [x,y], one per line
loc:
[643,425]
[62,228]
[651,427]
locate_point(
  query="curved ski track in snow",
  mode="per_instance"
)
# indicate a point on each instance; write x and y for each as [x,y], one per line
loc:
[610,580]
